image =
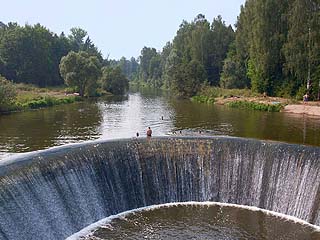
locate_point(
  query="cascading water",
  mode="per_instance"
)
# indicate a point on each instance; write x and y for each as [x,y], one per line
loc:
[55,193]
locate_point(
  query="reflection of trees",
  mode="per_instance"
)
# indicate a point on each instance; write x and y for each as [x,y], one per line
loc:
[113,99]
[246,123]
[33,130]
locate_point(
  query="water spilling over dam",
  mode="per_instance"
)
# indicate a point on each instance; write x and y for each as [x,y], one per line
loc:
[52,194]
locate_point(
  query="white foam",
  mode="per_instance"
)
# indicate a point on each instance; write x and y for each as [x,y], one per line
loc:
[88,231]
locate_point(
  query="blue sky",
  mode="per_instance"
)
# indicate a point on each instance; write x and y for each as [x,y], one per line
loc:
[119,27]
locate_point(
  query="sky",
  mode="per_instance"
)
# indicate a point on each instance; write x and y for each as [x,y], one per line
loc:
[118,27]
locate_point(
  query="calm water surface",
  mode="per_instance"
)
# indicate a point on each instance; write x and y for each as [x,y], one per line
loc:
[112,118]
[199,222]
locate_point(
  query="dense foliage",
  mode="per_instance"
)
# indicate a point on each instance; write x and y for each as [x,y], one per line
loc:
[82,71]
[277,45]
[32,54]
[129,68]
[194,57]
[114,81]
[7,93]
[256,106]
[274,50]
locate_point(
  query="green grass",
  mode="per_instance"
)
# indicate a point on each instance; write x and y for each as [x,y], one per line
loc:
[215,92]
[256,106]
[27,102]
[46,101]
[203,99]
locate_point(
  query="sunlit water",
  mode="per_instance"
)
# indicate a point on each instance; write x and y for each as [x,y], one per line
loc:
[199,221]
[113,118]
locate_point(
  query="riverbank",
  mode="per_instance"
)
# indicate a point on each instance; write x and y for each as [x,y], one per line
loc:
[286,105]
[309,108]
[31,97]
[246,99]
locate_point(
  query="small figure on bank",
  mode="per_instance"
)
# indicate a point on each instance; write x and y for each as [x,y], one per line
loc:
[305,98]
[149,132]
[137,134]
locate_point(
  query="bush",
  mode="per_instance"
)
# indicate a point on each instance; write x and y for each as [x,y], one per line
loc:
[203,99]
[7,93]
[215,92]
[46,101]
[256,106]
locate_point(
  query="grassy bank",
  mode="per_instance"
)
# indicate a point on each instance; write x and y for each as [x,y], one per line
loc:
[203,99]
[241,98]
[276,107]
[31,97]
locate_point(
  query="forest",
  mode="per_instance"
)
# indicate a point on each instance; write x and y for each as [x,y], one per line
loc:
[274,48]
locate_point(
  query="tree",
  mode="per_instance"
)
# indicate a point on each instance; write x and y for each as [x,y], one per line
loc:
[204,43]
[232,74]
[187,78]
[303,43]
[114,81]
[80,41]
[31,54]
[80,70]
[219,42]
[145,58]
[7,92]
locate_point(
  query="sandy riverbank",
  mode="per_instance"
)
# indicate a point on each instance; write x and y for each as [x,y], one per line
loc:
[309,108]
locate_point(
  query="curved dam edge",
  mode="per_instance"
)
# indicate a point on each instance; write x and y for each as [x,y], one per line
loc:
[14,162]
[54,193]
[87,231]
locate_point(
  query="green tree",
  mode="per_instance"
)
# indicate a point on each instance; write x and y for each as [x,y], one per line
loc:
[31,54]
[220,39]
[146,72]
[7,93]
[80,41]
[187,78]
[114,81]
[302,49]
[233,74]
[80,70]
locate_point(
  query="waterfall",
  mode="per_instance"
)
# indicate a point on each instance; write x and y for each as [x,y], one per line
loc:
[53,193]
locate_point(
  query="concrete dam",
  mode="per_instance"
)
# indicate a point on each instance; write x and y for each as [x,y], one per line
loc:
[54,193]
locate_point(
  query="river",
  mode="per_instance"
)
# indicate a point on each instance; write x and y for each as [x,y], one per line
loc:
[123,117]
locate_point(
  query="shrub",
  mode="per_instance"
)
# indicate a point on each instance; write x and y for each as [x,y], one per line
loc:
[256,106]
[216,92]
[203,99]
[7,93]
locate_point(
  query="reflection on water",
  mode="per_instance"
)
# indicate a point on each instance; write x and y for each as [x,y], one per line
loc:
[122,117]
[220,120]
[209,221]
[40,129]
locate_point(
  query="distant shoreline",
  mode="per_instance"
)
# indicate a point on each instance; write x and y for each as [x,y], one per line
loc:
[299,107]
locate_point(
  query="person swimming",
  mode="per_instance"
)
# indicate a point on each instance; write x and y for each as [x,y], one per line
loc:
[149,132]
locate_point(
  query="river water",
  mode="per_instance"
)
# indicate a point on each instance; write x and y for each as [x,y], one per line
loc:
[123,117]
[198,221]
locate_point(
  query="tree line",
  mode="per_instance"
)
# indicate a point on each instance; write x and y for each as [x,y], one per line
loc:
[35,55]
[275,49]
